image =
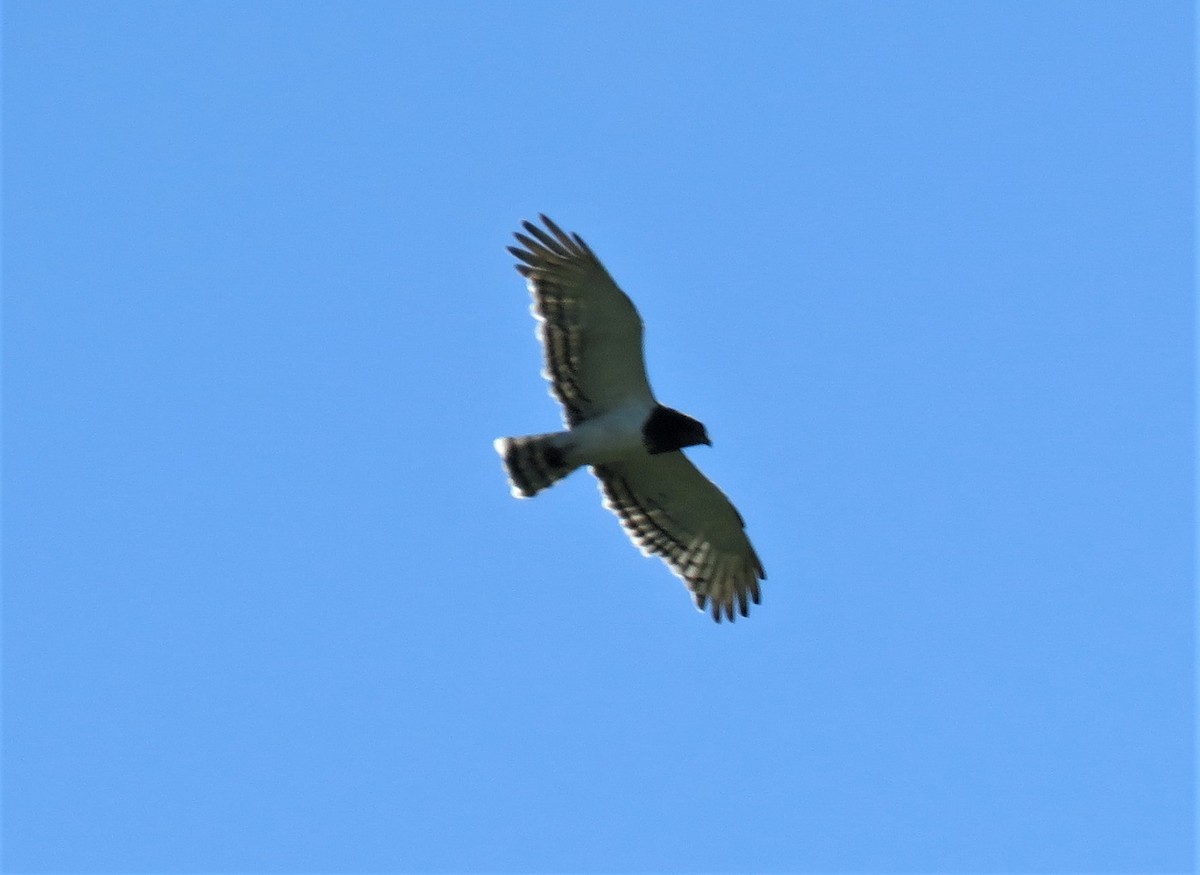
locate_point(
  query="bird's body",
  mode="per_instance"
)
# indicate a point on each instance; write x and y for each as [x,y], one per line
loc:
[592,338]
[610,437]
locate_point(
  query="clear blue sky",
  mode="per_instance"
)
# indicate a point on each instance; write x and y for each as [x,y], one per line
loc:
[923,269]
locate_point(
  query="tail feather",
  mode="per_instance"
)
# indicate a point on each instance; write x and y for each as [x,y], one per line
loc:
[533,463]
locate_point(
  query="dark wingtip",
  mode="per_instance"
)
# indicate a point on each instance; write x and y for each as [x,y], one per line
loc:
[527,257]
[582,245]
[547,242]
[554,229]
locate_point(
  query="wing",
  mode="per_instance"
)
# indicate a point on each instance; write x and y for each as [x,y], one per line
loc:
[591,333]
[672,510]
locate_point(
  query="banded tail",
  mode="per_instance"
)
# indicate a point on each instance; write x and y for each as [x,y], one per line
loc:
[533,463]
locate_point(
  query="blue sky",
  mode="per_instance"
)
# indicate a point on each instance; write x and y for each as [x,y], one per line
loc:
[924,270]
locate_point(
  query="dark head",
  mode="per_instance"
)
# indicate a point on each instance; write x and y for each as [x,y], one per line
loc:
[667,430]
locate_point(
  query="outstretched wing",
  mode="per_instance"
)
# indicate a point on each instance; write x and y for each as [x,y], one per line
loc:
[672,510]
[591,333]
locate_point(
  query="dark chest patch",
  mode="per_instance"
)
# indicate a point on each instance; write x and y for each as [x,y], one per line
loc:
[667,430]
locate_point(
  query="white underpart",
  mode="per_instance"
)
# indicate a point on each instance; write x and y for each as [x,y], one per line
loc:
[612,437]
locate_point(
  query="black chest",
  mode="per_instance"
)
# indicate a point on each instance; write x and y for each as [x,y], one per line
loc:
[667,430]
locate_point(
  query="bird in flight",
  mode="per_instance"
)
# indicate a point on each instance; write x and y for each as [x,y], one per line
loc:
[591,336]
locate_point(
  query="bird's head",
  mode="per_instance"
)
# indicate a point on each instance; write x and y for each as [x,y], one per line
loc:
[667,430]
